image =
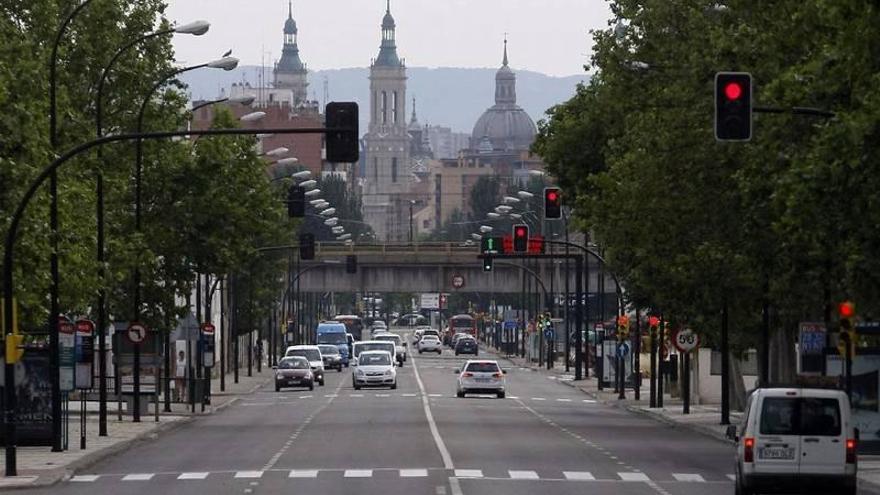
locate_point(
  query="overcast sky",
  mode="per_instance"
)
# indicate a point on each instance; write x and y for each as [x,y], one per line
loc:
[550,36]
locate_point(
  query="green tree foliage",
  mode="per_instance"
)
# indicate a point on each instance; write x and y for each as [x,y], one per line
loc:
[689,223]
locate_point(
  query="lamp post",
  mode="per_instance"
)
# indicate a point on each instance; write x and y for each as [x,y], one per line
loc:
[411,204]
[225,63]
[196,28]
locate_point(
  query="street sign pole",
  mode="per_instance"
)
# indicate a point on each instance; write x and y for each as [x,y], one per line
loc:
[686,386]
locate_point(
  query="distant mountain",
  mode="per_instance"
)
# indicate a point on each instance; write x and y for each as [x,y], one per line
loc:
[451,97]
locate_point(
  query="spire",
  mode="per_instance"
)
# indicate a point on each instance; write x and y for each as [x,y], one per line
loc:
[388,7]
[505,82]
[388,50]
[290,9]
[413,119]
[504,63]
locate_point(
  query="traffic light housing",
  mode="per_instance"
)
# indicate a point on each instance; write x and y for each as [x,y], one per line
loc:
[487,264]
[733,106]
[307,246]
[492,245]
[351,263]
[343,145]
[847,312]
[552,203]
[520,238]
[296,202]
[622,327]
[14,347]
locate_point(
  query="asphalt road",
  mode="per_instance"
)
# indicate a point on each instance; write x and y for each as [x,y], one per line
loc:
[418,439]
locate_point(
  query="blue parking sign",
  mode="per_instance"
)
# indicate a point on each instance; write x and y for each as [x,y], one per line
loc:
[812,338]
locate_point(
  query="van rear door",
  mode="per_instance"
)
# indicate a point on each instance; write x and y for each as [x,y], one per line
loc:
[777,443]
[823,436]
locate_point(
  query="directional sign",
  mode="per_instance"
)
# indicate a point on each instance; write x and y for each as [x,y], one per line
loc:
[623,350]
[686,340]
[136,333]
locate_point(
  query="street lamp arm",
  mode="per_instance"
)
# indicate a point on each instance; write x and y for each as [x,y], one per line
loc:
[530,272]
[53,69]
[600,259]
[207,103]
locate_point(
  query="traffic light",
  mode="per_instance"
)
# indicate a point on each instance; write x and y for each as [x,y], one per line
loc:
[343,145]
[847,312]
[622,327]
[351,263]
[307,246]
[487,264]
[14,347]
[492,245]
[520,238]
[296,202]
[552,203]
[733,106]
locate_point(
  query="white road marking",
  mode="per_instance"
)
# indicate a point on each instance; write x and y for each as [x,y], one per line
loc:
[305,396]
[688,477]
[85,478]
[578,476]
[589,401]
[563,400]
[633,476]
[435,395]
[331,395]
[454,486]
[413,473]
[192,476]
[538,398]
[249,474]
[382,395]
[523,475]
[358,473]
[303,473]
[512,397]
[468,473]
[731,477]
[407,395]
[137,477]
[435,433]
[356,395]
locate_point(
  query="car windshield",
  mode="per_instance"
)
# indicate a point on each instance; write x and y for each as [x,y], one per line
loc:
[310,354]
[482,367]
[373,346]
[293,364]
[804,416]
[389,338]
[331,338]
[430,337]
[375,360]
[328,349]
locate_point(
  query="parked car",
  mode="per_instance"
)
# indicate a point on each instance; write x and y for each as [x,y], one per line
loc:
[466,345]
[313,354]
[293,372]
[375,368]
[331,356]
[483,377]
[430,343]
[794,439]
[399,345]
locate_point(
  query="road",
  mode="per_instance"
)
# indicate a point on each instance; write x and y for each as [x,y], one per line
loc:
[417,439]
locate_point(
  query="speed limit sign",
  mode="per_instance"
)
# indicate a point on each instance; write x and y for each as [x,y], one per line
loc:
[686,340]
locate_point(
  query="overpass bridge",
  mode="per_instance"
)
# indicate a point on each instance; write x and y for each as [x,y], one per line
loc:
[429,267]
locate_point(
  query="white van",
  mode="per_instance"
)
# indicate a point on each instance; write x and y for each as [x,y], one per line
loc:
[794,439]
[374,345]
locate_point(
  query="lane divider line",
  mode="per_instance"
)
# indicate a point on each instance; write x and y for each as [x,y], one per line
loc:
[438,440]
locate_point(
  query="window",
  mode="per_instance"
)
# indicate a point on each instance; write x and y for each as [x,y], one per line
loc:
[310,354]
[384,107]
[394,170]
[806,416]
[376,169]
[482,368]
[778,416]
[394,107]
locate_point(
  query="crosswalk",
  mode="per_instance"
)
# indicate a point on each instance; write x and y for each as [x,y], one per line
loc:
[274,399]
[385,473]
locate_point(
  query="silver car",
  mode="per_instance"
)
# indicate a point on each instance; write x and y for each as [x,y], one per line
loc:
[481,377]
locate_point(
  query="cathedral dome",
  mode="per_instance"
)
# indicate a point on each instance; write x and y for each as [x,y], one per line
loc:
[290,26]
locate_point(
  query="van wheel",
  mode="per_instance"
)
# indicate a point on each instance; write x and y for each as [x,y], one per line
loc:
[394,386]
[321,382]
[742,490]
[420,351]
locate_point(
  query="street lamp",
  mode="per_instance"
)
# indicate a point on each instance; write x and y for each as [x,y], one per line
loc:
[225,63]
[493,215]
[476,237]
[328,212]
[315,202]
[537,173]
[503,209]
[309,184]
[343,237]
[509,200]
[331,222]
[280,151]
[252,117]
[305,174]
[287,161]
[525,195]
[485,229]
[313,192]
[196,28]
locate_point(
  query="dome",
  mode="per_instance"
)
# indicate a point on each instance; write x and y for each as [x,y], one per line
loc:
[388,21]
[289,26]
[508,128]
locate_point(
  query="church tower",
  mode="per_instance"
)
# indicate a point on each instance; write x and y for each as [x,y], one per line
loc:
[387,141]
[290,72]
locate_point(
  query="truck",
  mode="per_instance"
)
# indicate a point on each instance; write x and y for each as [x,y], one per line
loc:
[332,332]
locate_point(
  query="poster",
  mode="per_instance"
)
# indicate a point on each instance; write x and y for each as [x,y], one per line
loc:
[34,392]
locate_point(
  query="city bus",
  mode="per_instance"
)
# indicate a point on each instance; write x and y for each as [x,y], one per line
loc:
[462,323]
[354,324]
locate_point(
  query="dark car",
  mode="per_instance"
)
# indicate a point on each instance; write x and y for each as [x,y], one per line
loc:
[294,372]
[331,356]
[466,345]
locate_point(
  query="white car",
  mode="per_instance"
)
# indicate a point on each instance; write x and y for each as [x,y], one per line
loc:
[430,343]
[417,336]
[481,377]
[399,344]
[313,354]
[796,439]
[374,368]
[373,345]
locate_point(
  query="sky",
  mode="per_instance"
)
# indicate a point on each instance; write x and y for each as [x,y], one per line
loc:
[549,36]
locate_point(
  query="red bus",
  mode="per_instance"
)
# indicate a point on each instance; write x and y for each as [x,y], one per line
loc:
[460,324]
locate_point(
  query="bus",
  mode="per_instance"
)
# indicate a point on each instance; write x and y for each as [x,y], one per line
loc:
[354,324]
[460,324]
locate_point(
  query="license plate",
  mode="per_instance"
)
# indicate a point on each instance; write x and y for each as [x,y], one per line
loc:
[776,453]
[484,380]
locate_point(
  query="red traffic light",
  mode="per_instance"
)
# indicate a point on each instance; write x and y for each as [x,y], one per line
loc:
[654,321]
[520,232]
[733,91]
[552,196]
[846,309]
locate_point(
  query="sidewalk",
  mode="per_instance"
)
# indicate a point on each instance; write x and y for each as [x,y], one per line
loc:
[40,467]
[703,419]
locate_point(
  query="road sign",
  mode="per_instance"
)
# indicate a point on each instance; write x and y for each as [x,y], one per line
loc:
[458,281]
[623,350]
[686,340]
[136,333]
[85,327]
[67,350]
[208,328]
[812,338]
[430,301]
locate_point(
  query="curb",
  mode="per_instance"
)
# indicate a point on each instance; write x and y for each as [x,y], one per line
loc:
[53,477]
